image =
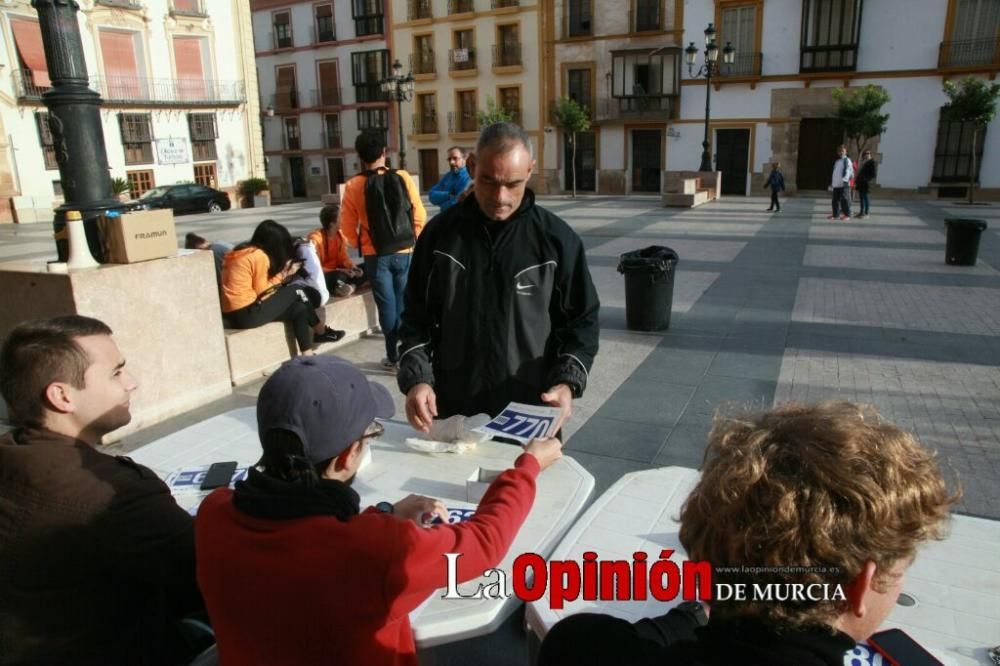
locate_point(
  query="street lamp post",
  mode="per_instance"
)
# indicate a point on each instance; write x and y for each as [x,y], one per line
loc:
[399,88]
[75,123]
[707,70]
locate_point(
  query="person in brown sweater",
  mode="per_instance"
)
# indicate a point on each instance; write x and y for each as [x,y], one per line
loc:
[97,560]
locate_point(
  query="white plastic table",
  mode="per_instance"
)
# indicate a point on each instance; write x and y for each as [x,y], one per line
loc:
[394,472]
[955,582]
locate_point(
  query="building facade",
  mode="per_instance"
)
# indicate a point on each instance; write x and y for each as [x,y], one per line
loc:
[179,98]
[465,55]
[319,66]
[774,102]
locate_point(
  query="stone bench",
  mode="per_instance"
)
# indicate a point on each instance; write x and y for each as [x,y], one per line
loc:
[256,352]
[690,189]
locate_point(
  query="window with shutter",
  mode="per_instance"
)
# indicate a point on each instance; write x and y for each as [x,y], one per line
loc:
[45,140]
[203,132]
[137,137]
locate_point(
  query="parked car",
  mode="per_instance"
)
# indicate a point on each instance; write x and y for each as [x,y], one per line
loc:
[188,198]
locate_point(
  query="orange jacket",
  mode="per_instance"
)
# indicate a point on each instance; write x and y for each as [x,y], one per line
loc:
[244,277]
[332,253]
[354,216]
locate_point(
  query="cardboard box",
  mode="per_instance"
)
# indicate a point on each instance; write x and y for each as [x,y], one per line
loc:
[138,236]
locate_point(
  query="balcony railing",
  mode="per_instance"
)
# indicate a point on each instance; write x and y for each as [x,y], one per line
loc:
[324,31]
[292,142]
[141,90]
[418,9]
[425,123]
[646,17]
[651,107]
[459,59]
[968,53]
[462,121]
[369,92]
[189,8]
[461,6]
[121,4]
[500,4]
[422,62]
[279,40]
[840,58]
[506,55]
[326,97]
[744,64]
[286,100]
[332,139]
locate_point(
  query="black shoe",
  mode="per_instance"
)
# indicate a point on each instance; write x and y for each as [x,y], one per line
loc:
[329,335]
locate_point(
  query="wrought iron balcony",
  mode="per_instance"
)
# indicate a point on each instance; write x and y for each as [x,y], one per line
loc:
[142,90]
[332,139]
[120,4]
[326,97]
[647,107]
[745,64]
[506,55]
[281,39]
[459,59]
[369,92]
[461,6]
[188,8]
[418,9]
[422,62]
[292,142]
[840,58]
[500,4]
[324,31]
[285,101]
[462,121]
[968,53]
[425,123]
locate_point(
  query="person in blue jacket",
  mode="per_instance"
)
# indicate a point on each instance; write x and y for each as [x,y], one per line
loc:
[449,190]
[776,182]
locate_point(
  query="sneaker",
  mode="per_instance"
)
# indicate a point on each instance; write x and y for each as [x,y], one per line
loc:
[329,335]
[343,290]
[389,365]
[858,216]
[769,210]
[831,217]
[845,217]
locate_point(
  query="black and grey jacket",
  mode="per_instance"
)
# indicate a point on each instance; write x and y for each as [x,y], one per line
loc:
[497,314]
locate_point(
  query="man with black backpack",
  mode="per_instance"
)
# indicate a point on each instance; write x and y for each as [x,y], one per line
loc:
[382,214]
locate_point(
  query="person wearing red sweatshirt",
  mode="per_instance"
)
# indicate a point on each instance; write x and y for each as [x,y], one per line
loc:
[293,572]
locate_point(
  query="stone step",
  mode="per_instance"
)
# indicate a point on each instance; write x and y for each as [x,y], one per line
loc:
[256,352]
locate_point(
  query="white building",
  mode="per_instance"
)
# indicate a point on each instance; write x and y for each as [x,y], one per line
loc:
[319,66]
[774,103]
[179,98]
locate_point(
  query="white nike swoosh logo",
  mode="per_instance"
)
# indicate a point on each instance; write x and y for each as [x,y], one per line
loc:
[521,287]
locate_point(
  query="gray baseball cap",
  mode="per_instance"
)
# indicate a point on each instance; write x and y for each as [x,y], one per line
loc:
[324,400]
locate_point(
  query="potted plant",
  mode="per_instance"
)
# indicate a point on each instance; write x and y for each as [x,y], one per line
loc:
[120,188]
[254,193]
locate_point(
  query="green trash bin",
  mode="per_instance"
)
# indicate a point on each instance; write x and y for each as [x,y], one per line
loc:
[649,287]
[962,244]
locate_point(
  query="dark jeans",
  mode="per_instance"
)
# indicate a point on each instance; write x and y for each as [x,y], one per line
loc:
[841,204]
[774,200]
[388,277]
[335,276]
[865,202]
[287,304]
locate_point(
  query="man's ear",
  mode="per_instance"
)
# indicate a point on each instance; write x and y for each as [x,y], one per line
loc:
[857,590]
[347,456]
[60,398]
[470,165]
[531,168]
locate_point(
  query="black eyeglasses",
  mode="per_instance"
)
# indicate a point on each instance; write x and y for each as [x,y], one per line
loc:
[374,431]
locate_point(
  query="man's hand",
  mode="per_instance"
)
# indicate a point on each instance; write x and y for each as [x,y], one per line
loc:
[560,396]
[354,271]
[546,449]
[421,406]
[421,510]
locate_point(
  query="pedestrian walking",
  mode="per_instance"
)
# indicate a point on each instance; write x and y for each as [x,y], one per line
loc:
[775,181]
[867,172]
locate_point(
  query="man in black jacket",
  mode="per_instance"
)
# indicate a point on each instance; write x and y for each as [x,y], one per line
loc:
[96,559]
[500,305]
[826,497]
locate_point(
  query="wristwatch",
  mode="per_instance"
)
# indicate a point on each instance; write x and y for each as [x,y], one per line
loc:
[384,507]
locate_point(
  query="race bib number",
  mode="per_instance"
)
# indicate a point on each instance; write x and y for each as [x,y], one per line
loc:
[522,422]
[190,478]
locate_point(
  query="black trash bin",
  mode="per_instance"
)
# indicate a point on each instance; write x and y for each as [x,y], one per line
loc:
[962,245]
[649,287]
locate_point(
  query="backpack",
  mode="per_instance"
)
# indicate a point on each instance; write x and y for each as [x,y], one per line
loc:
[390,213]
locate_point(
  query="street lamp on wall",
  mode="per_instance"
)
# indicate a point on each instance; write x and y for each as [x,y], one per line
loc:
[400,88]
[707,70]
